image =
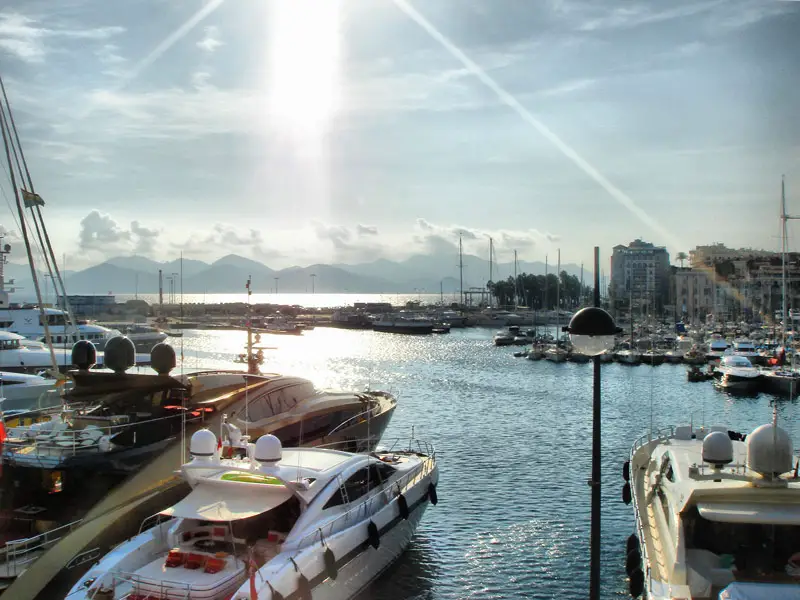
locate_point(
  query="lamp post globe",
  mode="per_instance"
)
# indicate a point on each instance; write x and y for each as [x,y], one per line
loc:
[592,330]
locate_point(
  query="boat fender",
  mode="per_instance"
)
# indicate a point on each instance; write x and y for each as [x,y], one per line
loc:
[373,537]
[303,588]
[402,504]
[626,470]
[434,498]
[626,493]
[633,561]
[330,564]
[633,542]
[636,583]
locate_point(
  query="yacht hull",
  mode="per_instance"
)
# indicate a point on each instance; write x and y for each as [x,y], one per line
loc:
[407,329]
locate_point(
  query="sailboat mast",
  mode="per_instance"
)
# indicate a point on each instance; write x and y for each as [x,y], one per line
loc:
[580,295]
[516,287]
[558,296]
[461,267]
[546,306]
[23,227]
[251,365]
[491,257]
[784,218]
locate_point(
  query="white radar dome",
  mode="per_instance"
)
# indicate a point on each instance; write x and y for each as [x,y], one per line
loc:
[769,451]
[717,449]
[204,443]
[268,449]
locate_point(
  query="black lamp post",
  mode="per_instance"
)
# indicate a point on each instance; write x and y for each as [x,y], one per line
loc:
[591,331]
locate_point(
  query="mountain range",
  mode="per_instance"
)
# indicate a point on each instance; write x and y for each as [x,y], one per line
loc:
[418,273]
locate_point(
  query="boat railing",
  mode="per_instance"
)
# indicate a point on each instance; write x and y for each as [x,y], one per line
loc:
[67,441]
[367,507]
[658,434]
[355,419]
[399,444]
[166,588]
[17,555]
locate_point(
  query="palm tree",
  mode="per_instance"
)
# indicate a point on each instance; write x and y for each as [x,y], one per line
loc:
[681,256]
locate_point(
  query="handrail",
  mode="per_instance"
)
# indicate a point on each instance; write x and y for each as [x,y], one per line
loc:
[335,525]
[15,551]
[393,445]
[368,412]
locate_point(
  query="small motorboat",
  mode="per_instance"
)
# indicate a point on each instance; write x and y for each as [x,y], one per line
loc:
[273,523]
[696,374]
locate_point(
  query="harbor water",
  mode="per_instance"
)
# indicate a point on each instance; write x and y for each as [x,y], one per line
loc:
[513,440]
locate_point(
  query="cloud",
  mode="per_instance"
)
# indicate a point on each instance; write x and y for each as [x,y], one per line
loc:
[9,235]
[436,238]
[351,245]
[224,238]
[635,15]
[100,232]
[366,230]
[210,41]
[26,39]
[145,237]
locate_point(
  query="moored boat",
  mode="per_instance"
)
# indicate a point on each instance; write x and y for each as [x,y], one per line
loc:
[717,514]
[298,522]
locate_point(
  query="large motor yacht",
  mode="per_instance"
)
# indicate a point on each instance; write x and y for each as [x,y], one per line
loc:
[27,322]
[275,523]
[111,452]
[717,515]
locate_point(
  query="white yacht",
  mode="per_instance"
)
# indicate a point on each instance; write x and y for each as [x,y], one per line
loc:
[23,392]
[503,338]
[27,322]
[629,357]
[143,336]
[717,515]
[555,353]
[736,373]
[289,523]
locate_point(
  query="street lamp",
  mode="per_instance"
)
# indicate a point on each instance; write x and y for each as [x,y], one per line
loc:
[591,331]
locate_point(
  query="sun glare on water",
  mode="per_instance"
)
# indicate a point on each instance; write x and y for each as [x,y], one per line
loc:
[304,66]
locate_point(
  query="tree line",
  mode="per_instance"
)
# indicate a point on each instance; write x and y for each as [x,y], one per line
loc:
[538,292]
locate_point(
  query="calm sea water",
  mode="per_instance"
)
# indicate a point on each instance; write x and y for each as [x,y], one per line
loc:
[513,439]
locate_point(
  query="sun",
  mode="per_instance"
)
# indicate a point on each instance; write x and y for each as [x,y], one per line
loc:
[304,78]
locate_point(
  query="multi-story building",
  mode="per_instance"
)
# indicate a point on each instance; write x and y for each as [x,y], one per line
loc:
[694,294]
[735,284]
[640,272]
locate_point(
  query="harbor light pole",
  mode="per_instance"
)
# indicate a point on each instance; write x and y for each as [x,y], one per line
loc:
[591,331]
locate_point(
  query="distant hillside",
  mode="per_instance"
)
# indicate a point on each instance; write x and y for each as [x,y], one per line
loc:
[419,273]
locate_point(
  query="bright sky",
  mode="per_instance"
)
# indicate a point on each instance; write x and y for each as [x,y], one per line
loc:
[303,131]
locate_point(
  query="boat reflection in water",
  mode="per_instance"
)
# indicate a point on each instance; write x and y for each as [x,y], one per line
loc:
[78,480]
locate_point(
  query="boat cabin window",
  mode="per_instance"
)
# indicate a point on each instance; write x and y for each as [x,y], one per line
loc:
[756,549]
[54,320]
[357,485]
[281,518]
[9,344]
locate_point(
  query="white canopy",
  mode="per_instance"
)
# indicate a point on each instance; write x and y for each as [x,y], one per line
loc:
[228,502]
[766,514]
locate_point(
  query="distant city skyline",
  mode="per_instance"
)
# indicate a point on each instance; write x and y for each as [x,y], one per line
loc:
[155,128]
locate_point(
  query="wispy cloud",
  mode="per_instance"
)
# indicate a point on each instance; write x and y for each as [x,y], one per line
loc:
[635,15]
[27,39]
[210,41]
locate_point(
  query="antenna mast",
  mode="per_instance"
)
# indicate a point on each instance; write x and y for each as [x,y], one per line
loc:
[461,267]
